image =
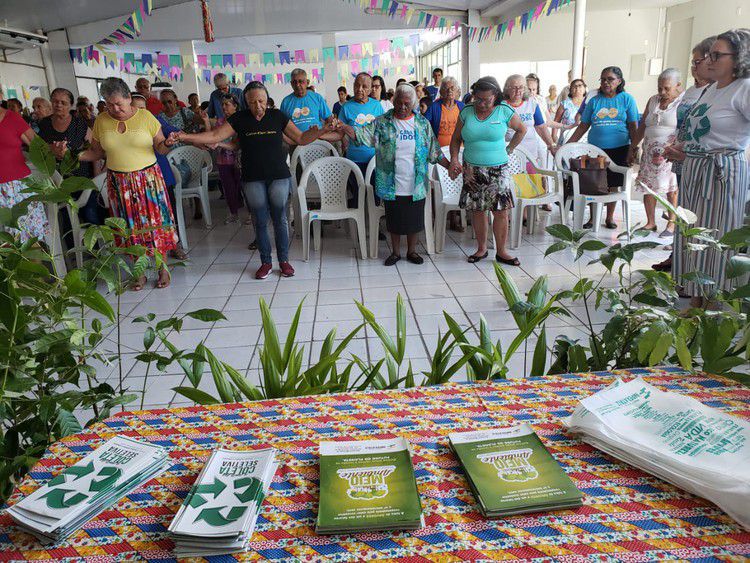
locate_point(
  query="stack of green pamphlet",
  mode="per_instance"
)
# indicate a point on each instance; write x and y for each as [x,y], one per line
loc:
[511,472]
[93,484]
[219,514]
[367,485]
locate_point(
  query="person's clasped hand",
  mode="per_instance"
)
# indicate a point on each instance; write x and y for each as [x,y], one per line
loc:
[59,148]
[174,138]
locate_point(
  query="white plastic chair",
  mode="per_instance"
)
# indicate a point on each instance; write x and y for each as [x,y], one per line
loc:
[75,224]
[197,187]
[331,174]
[303,156]
[579,200]
[555,194]
[53,237]
[447,193]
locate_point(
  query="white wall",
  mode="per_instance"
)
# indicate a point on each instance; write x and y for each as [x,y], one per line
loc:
[23,68]
[612,37]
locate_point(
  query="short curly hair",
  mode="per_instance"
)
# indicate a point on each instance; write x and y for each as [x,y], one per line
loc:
[739,41]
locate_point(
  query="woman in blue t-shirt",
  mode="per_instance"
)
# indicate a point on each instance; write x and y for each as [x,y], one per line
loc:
[611,119]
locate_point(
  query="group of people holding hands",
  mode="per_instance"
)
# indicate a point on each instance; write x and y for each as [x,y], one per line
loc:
[692,142]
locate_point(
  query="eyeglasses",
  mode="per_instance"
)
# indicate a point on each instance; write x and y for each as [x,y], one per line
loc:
[517,88]
[695,62]
[609,79]
[716,55]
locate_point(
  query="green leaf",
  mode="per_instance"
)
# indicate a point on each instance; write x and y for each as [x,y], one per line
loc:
[67,422]
[249,391]
[77,184]
[149,336]
[737,237]
[217,370]
[539,362]
[98,303]
[206,315]
[741,292]
[683,353]
[698,278]
[40,155]
[592,245]
[660,349]
[738,266]
[561,231]
[196,395]
[556,247]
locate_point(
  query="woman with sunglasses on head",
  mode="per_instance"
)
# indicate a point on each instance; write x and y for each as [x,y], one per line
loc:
[568,111]
[611,120]
[715,175]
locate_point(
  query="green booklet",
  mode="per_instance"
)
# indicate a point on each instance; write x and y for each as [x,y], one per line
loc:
[367,485]
[511,472]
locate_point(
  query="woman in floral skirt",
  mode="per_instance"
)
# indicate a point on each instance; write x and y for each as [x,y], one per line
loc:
[127,138]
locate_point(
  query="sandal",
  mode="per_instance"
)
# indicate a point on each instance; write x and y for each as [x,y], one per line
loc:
[612,225]
[178,254]
[589,225]
[477,257]
[161,283]
[508,261]
[138,283]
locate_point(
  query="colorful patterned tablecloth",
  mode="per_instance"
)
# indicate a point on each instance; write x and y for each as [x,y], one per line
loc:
[627,515]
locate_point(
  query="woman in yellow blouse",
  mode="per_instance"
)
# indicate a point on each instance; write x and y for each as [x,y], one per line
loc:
[126,138]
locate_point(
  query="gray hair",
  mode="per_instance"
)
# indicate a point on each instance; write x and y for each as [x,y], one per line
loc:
[511,78]
[703,47]
[671,74]
[449,81]
[114,86]
[408,91]
[739,40]
[298,71]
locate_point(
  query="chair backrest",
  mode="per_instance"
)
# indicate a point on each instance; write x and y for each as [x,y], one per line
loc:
[574,150]
[305,155]
[198,160]
[332,174]
[447,190]
[369,173]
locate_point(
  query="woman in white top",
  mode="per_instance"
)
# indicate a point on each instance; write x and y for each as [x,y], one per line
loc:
[715,176]
[379,91]
[657,130]
[538,139]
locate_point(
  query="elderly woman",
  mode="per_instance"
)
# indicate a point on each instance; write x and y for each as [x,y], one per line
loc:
[14,134]
[64,131]
[482,128]
[657,129]
[265,174]
[183,119]
[526,106]
[443,113]
[443,117]
[404,146]
[128,138]
[612,117]
[715,174]
[42,108]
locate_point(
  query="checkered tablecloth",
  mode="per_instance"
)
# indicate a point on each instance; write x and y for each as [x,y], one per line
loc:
[627,514]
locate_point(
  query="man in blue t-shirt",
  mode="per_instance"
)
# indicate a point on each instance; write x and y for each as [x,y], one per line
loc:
[358,112]
[304,107]
[437,78]
[223,88]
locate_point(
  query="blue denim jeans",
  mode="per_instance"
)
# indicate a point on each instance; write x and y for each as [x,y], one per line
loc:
[267,200]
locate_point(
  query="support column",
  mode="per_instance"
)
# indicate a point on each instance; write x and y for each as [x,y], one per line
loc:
[469,53]
[330,70]
[579,25]
[190,77]
[49,72]
[60,65]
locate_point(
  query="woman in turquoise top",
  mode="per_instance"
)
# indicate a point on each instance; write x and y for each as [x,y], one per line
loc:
[481,129]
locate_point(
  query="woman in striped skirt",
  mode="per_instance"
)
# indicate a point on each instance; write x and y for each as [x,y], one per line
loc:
[715,175]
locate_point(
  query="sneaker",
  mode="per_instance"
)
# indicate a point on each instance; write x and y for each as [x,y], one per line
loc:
[286,269]
[263,271]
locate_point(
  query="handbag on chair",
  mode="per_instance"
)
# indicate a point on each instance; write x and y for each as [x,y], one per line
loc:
[592,175]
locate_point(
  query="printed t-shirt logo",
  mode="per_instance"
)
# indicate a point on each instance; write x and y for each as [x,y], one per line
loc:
[698,124]
[364,118]
[607,112]
[512,465]
[367,483]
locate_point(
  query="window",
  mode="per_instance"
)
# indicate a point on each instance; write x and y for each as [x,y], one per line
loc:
[447,57]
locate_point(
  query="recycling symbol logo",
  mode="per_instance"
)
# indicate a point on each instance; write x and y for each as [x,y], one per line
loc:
[699,122]
[244,489]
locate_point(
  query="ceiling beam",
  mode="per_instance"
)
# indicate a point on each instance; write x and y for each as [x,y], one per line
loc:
[504,9]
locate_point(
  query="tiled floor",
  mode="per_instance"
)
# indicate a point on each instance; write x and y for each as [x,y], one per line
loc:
[219,275]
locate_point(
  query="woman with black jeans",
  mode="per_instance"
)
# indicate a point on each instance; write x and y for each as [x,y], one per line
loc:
[611,118]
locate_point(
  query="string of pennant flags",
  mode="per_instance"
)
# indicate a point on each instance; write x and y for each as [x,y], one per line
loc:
[430,21]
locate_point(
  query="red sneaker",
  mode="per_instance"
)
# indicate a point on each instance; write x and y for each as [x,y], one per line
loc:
[263,271]
[286,269]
